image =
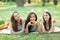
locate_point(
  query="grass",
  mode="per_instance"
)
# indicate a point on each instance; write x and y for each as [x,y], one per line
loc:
[31,36]
[24,11]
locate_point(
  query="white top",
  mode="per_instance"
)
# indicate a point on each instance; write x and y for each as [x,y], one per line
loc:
[20,28]
[42,26]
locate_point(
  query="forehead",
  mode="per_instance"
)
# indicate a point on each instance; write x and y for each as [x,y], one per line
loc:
[15,14]
[32,15]
[45,14]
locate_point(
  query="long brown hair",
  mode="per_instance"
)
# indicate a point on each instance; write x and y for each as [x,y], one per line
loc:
[28,20]
[44,22]
[14,22]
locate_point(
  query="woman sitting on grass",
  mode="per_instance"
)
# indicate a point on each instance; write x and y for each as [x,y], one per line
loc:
[16,25]
[31,24]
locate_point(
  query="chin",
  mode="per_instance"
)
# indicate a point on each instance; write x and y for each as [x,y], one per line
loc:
[46,20]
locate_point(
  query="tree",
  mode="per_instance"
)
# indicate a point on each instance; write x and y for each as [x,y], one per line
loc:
[20,3]
[55,2]
[29,1]
[6,0]
[3,0]
[13,0]
[43,2]
[48,1]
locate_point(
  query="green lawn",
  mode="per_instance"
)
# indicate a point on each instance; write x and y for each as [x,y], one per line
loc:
[24,11]
[31,36]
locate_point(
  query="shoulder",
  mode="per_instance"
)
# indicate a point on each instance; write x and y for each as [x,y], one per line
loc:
[23,20]
[52,22]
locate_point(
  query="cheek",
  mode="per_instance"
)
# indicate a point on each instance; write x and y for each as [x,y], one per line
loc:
[18,17]
[32,19]
[46,18]
[15,18]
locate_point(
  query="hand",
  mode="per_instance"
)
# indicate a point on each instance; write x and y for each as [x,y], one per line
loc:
[29,23]
[32,23]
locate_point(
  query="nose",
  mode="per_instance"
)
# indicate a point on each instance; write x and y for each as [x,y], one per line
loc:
[32,18]
[18,16]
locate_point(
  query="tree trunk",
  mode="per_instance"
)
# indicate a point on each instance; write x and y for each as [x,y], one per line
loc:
[3,0]
[13,0]
[43,2]
[20,3]
[29,1]
[48,1]
[55,2]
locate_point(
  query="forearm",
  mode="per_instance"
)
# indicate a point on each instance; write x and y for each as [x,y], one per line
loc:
[38,25]
[3,28]
[53,28]
[27,29]
[39,29]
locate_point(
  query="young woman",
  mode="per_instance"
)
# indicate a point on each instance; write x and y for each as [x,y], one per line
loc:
[47,23]
[31,24]
[17,23]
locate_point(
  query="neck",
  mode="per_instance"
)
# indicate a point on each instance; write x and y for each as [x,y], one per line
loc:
[46,22]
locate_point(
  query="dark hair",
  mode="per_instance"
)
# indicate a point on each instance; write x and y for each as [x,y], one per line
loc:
[44,22]
[14,22]
[28,19]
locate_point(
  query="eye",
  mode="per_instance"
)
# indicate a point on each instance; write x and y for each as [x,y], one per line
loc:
[45,15]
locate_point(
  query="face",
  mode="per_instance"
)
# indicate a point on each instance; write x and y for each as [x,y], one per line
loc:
[32,18]
[16,16]
[46,16]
